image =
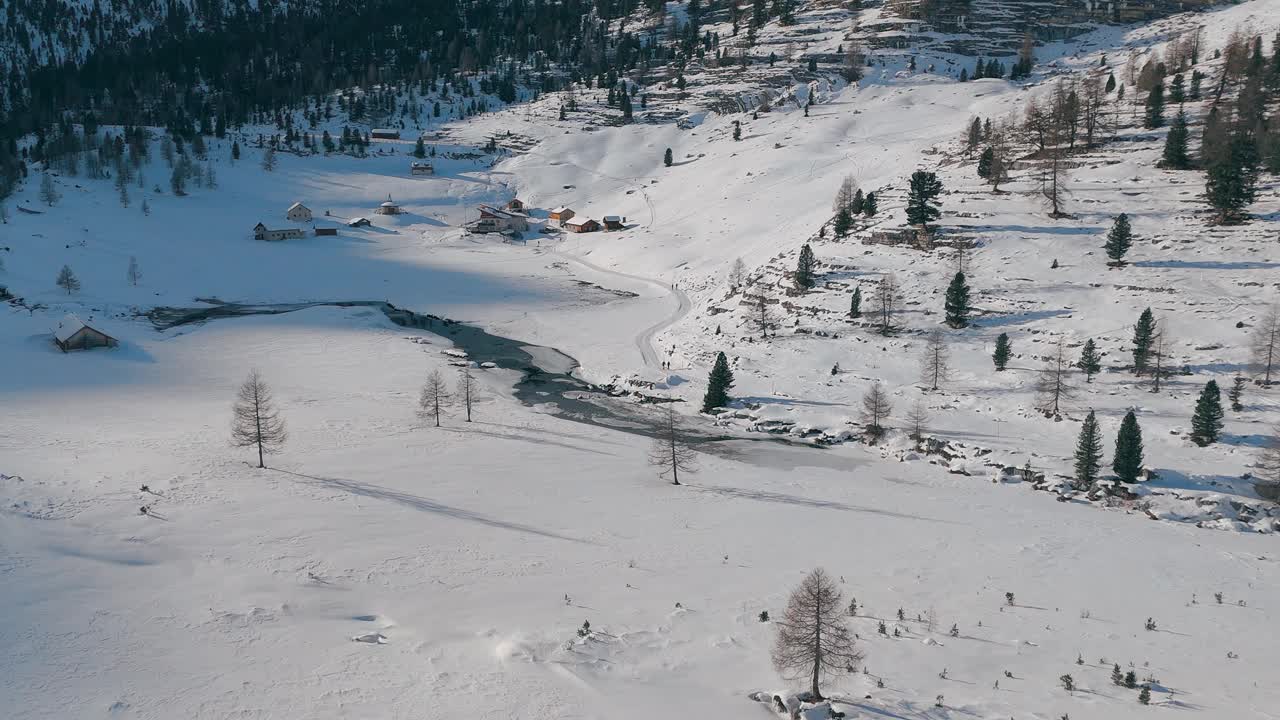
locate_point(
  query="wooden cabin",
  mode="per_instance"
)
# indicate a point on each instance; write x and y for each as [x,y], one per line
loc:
[561,214]
[514,205]
[614,222]
[326,231]
[73,334]
[384,134]
[581,225]
[359,222]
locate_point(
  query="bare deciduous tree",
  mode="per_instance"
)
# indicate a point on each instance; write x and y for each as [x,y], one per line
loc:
[876,407]
[435,395]
[255,421]
[1052,177]
[1001,157]
[737,274]
[467,389]
[813,640]
[67,280]
[1268,466]
[917,420]
[133,274]
[761,313]
[1053,385]
[671,452]
[844,196]
[1159,357]
[1266,343]
[934,366]
[888,298]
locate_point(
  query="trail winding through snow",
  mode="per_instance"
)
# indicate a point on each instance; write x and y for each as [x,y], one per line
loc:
[644,339]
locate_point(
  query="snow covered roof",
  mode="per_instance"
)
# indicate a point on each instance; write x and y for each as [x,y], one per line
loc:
[559,210]
[296,206]
[613,218]
[388,204]
[70,325]
[579,220]
[354,221]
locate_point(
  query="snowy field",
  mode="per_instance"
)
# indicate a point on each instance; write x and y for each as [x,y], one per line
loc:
[384,568]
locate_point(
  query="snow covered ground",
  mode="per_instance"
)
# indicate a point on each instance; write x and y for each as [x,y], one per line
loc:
[477,551]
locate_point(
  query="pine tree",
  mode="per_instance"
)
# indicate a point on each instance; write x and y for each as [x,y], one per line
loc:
[869,207]
[855,303]
[67,280]
[804,268]
[235,150]
[922,195]
[419,148]
[1090,362]
[1111,83]
[957,302]
[1177,89]
[737,130]
[1144,695]
[1206,423]
[843,222]
[1003,350]
[1119,239]
[1231,180]
[1144,333]
[1175,155]
[1088,453]
[1236,393]
[1127,463]
[718,384]
[984,162]
[666,157]
[1117,677]
[1155,107]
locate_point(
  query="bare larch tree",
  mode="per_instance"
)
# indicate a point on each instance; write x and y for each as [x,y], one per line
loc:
[1159,360]
[917,420]
[435,395]
[1268,466]
[1266,344]
[467,389]
[1053,385]
[888,297]
[813,640]
[671,452]
[761,313]
[255,420]
[934,366]
[876,407]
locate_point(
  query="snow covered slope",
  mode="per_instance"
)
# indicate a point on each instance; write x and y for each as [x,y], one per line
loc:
[385,568]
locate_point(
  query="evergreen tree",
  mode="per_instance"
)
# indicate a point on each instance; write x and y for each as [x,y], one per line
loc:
[1230,183]
[1119,238]
[1111,83]
[718,384]
[1206,423]
[666,157]
[869,205]
[1090,362]
[235,150]
[1144,332]
[1144,695]
[1155,107]
[1003,350]
[855,206]
[1177,89]
[419,148]
[922,195]
[1128,459]
[737,130]
[804,268]
[984,163]
[855,303]
[843,222]
[1236,393]
[957,302]
[1088,457]
[1194,92]
[1175,145]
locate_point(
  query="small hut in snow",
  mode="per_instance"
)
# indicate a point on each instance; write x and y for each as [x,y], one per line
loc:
[298,212]
[73,334]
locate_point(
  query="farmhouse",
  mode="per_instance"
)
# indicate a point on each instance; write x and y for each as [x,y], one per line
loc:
[561,213]
[261,232]
[384,134]
[493,220]
[514,205]
[73,334]
[581,225]
[421,168]
[613,222]
[298,212]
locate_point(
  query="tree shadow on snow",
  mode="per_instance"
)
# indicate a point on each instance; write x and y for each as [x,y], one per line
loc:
[786,499]
[420,503]
[1205,265]
[521,435]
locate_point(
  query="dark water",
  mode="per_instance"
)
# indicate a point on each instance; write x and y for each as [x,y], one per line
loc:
[556,390]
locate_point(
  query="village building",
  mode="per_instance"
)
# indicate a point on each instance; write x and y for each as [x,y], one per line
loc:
[561,214]
[298,212]
[493,220]
[359,222]
[613,222]
[384,134]
[262,232]
[581,225]
[389,208]
[326,231]
[514,205]
[421,168]
[73,334]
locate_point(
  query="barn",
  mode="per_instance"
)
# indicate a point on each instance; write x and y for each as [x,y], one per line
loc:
[561,214]
[326,231]
[262,232]
[384,134]
[581,225]
[298,212]
[73,334]
[613,222]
